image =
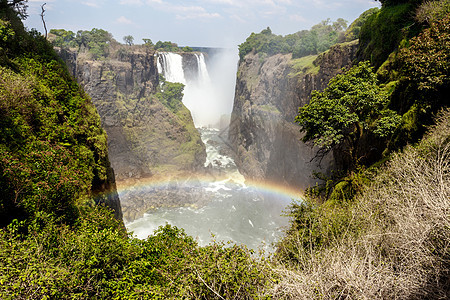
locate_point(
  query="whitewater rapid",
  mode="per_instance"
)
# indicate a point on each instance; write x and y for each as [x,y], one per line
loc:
[234,211]
[229,210]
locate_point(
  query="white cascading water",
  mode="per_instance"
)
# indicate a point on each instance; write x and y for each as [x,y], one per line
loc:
[201,96]
[170,65]
[202,70]
[234,211]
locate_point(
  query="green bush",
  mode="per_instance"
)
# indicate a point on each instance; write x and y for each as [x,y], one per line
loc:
[432,11]
[95,259]
[353,31]
[54,151]
[382,32]
[171,94]
[318,39]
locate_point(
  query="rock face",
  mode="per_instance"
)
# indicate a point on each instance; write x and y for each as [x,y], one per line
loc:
[262,131]
[145,138]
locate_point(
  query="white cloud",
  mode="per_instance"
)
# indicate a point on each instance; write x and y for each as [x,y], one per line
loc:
[183,12]
[193,12]
[132,2]
[227,2]
[298,18]
[91,4]
[124,20]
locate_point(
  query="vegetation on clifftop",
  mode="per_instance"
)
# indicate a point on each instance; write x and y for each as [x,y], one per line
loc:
[97,42]
[306,42]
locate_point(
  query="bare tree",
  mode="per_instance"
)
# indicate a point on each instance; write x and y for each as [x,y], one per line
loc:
[43,21]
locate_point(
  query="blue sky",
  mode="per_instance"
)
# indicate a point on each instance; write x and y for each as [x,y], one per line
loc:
[213,23]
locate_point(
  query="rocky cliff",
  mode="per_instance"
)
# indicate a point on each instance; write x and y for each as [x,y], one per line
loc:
[145,137]
[269,91]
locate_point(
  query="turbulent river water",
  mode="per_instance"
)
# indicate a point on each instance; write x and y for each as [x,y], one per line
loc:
[230,209]
[248,215]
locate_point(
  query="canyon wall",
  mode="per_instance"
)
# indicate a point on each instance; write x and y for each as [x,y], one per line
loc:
[269,91]
[145,137]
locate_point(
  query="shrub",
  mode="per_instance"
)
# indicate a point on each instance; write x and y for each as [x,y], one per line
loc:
[95,259]
[382,32]
[318,39]
[393,243]
[432,11]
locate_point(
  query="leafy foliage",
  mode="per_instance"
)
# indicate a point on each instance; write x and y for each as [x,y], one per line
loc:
[382,33]
[63,38]
[352,103]
[53,150]
[171,94]
[147,42]
[321,37]
[128,39]
[96,41]
[18,6]
[353,31]
[166,46]
[426,62]
[432,11]
[94,259]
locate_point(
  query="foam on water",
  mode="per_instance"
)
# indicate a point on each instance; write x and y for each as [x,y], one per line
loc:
[247,213]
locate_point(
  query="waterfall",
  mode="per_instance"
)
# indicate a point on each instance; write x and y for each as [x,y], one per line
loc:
[170,65]
[208,98]
[203,74]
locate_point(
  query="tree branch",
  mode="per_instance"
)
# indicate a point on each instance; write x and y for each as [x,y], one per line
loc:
[43,21]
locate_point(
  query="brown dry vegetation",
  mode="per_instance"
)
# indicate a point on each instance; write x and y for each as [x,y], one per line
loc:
[400,248]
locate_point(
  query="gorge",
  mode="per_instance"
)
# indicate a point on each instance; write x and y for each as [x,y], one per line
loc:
[210,156]
[205,197]
[187,170]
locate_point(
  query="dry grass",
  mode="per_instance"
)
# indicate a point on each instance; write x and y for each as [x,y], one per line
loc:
[402,251]
[432,11]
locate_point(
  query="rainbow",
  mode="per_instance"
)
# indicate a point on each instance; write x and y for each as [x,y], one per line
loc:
[156,182]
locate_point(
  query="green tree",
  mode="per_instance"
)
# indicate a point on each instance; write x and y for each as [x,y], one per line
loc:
[166,46]
[187,49]
[352,32]
[171,94]
[19,6]
[147,42]
[128,39]
[352,104]
[96,41]
[63,38]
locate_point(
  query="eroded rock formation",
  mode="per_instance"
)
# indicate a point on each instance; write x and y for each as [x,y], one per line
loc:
[262,131]
[145,137]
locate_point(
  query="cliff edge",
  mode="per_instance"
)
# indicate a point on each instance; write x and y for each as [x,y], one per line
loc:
[269,91]
[146,137]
